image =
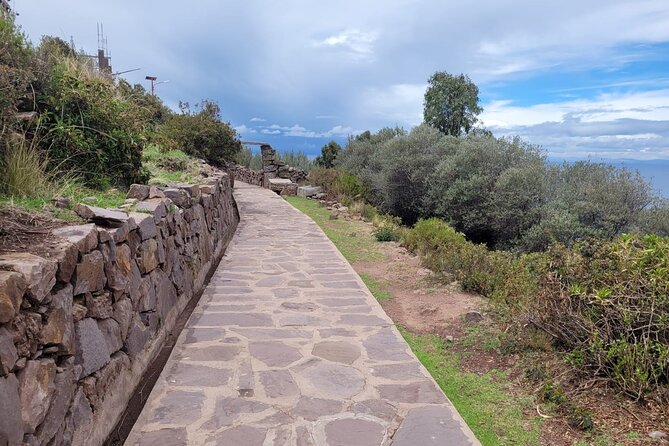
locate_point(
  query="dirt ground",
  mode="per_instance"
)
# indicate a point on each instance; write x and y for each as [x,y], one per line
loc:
[26,232]
[423,303]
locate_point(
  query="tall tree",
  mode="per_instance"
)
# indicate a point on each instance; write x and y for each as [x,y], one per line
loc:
[328,154]
[451,103]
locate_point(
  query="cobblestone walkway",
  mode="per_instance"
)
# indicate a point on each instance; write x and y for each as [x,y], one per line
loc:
[288,347]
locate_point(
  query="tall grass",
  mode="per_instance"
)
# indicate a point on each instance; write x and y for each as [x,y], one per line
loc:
[24,170]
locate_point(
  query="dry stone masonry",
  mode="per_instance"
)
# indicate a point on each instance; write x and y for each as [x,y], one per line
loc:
[275,174]
[79,328]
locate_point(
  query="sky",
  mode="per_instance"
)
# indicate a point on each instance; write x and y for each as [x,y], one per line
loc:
[580,78]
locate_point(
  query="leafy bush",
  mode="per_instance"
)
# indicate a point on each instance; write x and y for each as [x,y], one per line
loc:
[15,69]
[499,275]
[338,184]
[91,129]
[200,133]
[386,234]
[609,302]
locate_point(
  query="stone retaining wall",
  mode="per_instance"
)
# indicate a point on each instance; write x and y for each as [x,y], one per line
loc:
[273,169]
[247,175]
[79,328]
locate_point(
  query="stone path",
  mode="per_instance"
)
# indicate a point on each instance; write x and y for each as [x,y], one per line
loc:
[288,347]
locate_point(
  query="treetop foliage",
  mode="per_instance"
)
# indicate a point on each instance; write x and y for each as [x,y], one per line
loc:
[451,103]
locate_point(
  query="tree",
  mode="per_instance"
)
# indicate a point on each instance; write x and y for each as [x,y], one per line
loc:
[328,154]
[451,103]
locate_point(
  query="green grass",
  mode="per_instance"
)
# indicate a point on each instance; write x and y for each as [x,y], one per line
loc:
[377,288]
[109,199]
[155,160]
[495,416]
[351,237]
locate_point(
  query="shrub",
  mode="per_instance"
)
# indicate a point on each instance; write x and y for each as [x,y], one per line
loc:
[200,133]
[15,73]
[338,184]
[386,234]
[90,128]
[501,276]
[609,301]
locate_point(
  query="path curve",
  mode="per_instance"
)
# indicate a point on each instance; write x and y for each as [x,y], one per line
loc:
[288,347]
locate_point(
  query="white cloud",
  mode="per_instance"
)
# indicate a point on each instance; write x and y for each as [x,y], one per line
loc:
[632,125]
[258,120]
[244,130]
[359,45]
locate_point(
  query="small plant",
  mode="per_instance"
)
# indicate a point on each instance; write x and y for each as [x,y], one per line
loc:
[386,234]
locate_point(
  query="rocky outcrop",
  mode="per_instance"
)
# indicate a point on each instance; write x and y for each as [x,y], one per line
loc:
[79,328]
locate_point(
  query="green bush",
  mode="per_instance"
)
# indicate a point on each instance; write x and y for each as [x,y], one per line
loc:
[200,133]
[338,184]
[91,130]
[386,234]
[15,69]
[609,301]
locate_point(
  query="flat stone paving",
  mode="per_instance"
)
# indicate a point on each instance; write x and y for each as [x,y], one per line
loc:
[288,347]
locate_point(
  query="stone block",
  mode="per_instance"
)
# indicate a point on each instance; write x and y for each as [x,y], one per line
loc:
[92,352]
[12,287]
[156,192]
[65,385]
[8,354]
[123,315]
[101,216]
[180,197]
[111,330]
[138,336]
[116,235]
[430,426]
[166,294]
[90,274]
[119,268]
[11,426]
[27,327]
[138,192]
[59,328]
[84,237]
[39,273]
[309,191]
[155,206]
[149,256]
[66,255]
[36,390]
[99,306]
[146,225]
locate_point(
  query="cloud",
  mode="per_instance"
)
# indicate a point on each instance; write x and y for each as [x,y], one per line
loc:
[257,120]
[244,130]
[359,45]
[632,125]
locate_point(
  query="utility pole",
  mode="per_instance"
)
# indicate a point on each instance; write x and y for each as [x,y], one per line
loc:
[152,79]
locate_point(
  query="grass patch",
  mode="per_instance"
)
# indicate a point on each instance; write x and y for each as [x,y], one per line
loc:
[377,288]
[351,237]
[171,167]
[495,417]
